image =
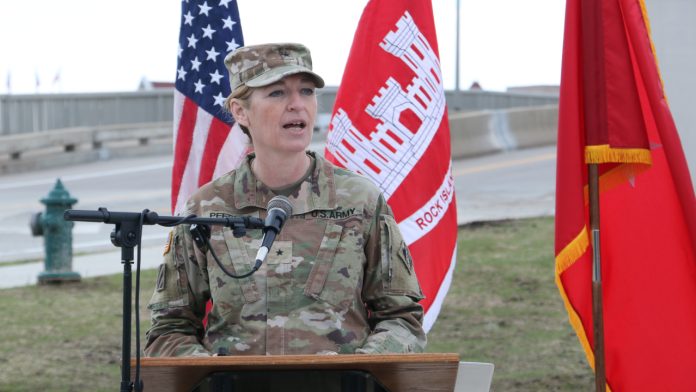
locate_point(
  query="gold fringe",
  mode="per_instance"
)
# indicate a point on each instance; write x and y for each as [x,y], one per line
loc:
[605,154]
[575,322]
[644,11]
[646,19]
[568,255]
[565,258]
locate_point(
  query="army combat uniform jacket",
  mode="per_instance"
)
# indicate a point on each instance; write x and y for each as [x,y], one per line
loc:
[338,278]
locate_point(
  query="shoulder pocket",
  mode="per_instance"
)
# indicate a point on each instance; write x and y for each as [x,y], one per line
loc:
[398,274]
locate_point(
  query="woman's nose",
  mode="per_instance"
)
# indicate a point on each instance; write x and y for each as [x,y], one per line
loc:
[296,102]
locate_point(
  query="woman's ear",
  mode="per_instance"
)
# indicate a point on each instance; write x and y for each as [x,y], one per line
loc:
[239,112]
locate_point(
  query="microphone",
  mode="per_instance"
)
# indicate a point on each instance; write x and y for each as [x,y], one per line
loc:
[279,210]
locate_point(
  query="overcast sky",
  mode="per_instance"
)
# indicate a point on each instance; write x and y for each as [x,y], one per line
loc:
[97,45]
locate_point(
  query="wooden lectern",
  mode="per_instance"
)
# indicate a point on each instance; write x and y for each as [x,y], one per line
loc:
[396,372]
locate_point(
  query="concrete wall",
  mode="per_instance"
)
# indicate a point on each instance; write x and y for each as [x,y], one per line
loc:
[674,36]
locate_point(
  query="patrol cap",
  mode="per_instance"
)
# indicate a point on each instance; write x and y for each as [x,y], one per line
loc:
[261,65]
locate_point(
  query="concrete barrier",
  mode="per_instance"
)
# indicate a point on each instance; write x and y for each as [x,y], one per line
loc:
[533,127]
[489,131]
[58,147]
[472,134]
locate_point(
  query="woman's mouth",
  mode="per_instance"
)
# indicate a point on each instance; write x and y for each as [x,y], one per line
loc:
[295,125]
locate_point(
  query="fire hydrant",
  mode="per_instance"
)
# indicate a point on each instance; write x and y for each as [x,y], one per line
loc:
[57,234]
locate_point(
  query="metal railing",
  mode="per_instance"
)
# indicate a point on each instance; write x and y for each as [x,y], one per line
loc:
[46,112]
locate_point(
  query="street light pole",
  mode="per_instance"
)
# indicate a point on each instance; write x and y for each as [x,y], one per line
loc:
[456,67]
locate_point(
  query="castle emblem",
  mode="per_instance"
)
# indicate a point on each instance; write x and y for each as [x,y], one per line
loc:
[408,118]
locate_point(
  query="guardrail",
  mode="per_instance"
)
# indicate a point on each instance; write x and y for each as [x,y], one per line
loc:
[39,150]
[472,133]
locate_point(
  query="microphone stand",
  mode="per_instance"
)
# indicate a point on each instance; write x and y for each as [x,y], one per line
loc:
[126,235]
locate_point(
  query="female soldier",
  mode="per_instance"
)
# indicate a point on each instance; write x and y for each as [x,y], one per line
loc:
[338,278]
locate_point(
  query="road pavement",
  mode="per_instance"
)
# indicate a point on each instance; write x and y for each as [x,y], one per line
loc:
[514,184]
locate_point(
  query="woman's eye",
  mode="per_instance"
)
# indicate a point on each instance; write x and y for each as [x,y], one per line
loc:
[276,93]
[307,91]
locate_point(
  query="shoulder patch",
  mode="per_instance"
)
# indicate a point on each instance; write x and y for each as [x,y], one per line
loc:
[168,245]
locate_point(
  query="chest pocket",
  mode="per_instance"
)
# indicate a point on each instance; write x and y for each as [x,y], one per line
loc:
[337,269]
[236,258]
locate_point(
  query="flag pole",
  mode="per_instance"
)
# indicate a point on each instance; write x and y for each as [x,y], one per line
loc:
[595,124]
[597,314]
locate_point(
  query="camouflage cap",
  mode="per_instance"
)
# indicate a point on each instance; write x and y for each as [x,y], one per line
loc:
[261,65]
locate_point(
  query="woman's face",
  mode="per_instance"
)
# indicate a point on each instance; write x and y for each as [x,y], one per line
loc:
[280,117]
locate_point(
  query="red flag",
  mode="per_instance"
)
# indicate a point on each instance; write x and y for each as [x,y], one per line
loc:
[206,144]
[390,124]
[613,112]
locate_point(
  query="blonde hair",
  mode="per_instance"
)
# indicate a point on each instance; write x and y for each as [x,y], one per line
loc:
[241,94]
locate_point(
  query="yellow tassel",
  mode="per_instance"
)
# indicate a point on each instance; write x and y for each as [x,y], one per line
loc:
[605,154]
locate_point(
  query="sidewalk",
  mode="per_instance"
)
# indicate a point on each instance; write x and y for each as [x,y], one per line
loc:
[90,265]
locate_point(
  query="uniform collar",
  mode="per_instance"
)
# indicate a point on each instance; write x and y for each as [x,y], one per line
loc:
[318,193]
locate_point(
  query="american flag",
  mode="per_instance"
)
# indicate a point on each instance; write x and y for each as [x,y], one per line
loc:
[206,142]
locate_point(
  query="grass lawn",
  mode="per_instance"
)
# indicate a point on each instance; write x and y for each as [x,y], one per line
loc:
[503,307]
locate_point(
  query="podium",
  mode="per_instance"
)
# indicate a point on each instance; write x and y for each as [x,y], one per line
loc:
[395,372]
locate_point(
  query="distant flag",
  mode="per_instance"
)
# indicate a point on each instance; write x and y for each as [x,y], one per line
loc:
[206,144]
[8,82]
[56,78]
[37,80]
[613,113]
[56,81]
[390,124]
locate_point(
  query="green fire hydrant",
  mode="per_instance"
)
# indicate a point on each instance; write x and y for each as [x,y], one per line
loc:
[57,233]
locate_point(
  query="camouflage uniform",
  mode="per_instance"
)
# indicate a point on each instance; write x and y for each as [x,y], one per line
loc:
[338,278]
